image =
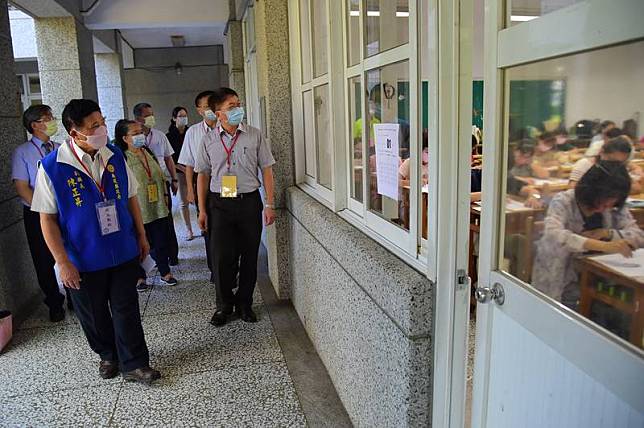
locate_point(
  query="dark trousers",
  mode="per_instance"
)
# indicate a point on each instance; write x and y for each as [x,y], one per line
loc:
[43,260]
[107,306]
[173,245]
[158,235]
[236,228]
[206,234]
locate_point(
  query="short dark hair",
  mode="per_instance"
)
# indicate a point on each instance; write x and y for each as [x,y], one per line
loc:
[121,129]
[219,97]
[604,180]
[138,109]
[549,137]
[203,94]
[605,124]
[617,145]
[526,146]
[176,110]
[76,111]
[34,113]
[614,133]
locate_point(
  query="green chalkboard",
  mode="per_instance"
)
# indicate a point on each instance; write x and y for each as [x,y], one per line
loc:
[533,102]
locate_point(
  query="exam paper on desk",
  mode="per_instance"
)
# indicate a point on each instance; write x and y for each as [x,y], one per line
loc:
[632,267]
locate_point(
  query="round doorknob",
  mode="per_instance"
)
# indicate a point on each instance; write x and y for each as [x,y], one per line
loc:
[487,294]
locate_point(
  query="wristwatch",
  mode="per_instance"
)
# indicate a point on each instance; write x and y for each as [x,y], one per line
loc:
[271,206]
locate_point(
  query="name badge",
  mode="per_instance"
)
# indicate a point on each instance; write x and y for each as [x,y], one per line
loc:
[108,218]
[229,186]
[153,193]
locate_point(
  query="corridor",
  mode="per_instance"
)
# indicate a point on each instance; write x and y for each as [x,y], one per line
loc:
[236,375]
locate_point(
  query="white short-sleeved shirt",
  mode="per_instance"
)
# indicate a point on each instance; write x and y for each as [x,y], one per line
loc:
[191,142]
[44,200]
[159,144]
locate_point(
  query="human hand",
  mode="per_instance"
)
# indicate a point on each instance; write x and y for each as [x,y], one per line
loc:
[174,186]
[269,216]
[190,196]
[533,203]
[69,275]
[144,248]
[621,246]
[203,221]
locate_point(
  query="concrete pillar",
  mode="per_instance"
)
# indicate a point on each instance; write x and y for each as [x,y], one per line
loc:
[109,84]
[274,84]
[18,284]
[65,63]
[235,46]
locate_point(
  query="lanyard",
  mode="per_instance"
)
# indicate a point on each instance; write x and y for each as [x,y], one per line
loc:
[146,165]
[100,187]
[37,148]
[229,151]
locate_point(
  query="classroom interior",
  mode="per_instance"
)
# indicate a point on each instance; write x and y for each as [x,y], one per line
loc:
[562,109]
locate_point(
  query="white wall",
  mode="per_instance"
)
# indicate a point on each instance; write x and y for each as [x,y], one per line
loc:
[603,84]
[164,89]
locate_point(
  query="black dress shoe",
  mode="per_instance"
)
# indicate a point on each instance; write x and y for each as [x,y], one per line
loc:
[108,369]
[144,375]
[56,315]
[220,317]
[246,314]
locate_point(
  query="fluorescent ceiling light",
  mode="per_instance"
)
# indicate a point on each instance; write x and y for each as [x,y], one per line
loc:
[522,18]
[376,13]
[354,13]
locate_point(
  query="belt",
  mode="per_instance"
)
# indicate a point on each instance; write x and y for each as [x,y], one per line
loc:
[239,195]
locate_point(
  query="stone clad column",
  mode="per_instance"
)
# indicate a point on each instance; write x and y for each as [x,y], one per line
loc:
[65,63]
[235,45]
[18,284]
[109,73]
[274,84]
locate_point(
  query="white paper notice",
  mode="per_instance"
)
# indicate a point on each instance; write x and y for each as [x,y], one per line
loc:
[387,159]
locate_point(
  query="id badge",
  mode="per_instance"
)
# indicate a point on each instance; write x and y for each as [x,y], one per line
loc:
[153,193]
[108,218]
[229,186]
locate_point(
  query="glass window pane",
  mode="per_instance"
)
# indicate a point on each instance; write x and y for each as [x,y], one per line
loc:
[320,32]
[323,136]
[305,40]
[34,84]
[574,142]
[387,25]
[353,32]
[527,10]
[355,117]
[309,145]
[388,104]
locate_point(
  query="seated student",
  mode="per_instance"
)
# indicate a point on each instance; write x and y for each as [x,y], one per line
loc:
[598,139]
[523,165]
[562,142]
[153,196]
[404,169]
[545,153]
[590,217]
[616,149]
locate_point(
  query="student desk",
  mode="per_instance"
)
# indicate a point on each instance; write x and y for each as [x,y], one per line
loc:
[406,208]
[590,272]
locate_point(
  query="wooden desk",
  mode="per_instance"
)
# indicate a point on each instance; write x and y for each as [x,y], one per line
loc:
[638,213]
[406,209]
[590,271]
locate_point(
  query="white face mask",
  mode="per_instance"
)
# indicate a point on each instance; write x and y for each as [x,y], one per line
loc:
[98,139]
[181,120]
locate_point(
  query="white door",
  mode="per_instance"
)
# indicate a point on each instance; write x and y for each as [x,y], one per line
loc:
[539,363]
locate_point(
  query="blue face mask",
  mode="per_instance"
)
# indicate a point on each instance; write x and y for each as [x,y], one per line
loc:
[235,116]
[138,141]
[210,115]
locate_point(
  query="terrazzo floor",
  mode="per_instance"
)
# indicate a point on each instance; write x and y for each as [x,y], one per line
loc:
[230,376]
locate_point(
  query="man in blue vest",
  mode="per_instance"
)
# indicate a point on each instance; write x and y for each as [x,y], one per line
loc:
[86,196]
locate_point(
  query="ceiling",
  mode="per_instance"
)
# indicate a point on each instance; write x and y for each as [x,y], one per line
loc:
[160,37]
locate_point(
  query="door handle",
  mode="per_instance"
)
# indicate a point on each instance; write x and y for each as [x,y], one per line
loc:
[487,294]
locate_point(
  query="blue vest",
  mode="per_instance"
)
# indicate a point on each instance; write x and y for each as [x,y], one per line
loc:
[77,196]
